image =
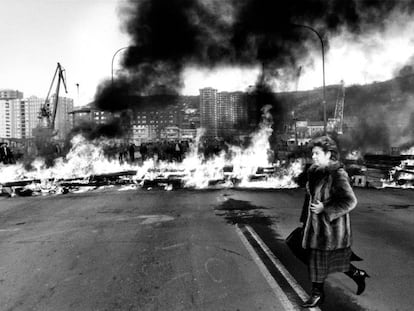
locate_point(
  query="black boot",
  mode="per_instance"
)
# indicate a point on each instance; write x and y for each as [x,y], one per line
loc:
[317,297]
[359,277]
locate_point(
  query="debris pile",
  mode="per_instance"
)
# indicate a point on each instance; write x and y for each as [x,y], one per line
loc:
[402,175]
[382,170]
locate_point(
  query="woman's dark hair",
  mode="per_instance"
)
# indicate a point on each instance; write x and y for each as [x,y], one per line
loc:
[327,144]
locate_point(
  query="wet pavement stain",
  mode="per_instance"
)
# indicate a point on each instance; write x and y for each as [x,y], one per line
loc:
[401,206]
[242,212]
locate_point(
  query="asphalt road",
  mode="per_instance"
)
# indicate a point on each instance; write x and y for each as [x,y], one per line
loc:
[181,250]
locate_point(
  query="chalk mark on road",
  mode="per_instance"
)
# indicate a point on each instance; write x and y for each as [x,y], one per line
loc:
[177,277]
[173,246]
[206,264]
[10,230]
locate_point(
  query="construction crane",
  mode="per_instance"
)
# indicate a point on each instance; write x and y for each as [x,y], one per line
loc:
[339,109]
[45,132]
[47,113]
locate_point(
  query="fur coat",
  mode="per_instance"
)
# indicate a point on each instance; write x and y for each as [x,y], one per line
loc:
[330,229]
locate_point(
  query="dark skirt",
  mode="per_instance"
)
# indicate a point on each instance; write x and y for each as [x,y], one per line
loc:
[322,263]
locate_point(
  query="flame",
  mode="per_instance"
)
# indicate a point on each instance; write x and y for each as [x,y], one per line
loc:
[409,151]
[87,158]
[84,159]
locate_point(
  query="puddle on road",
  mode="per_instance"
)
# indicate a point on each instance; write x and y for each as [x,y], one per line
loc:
[242,212]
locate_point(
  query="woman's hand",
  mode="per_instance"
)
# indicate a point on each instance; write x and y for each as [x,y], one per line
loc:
[316,207]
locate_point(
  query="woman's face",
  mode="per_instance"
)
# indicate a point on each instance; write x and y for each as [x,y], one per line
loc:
[320,157]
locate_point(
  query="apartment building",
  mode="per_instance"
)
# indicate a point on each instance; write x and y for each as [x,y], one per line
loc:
[150,123]
[63,121]
[12,118]
[208,111]
[19,116]
[222,112]
[12,114]
[10,94]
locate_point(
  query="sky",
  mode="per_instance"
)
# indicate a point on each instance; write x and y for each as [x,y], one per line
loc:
[83,36]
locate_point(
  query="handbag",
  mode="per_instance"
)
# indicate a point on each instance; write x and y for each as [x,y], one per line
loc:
[294,242]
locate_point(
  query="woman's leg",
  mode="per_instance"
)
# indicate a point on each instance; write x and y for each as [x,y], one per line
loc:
[358,276]
[317,296]
[318,272]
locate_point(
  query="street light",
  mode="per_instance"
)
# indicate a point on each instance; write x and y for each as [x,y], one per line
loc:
[295,120]
[323,71]
[112,64]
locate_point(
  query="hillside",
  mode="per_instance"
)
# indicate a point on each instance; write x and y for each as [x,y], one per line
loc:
[377,116]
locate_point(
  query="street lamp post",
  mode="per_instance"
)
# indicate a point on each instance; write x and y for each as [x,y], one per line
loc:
[323,71]
[112,64]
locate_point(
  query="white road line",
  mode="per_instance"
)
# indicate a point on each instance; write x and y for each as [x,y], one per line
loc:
[287,304]
[291,280]
[281,268]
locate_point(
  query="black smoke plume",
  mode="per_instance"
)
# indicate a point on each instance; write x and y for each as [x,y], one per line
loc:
[91,130]
[169,35]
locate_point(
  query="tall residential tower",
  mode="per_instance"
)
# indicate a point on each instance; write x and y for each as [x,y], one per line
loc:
[222,113]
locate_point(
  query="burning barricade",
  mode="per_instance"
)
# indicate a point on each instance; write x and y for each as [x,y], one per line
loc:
[86,168]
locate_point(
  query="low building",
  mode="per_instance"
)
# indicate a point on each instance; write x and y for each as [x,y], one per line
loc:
[157,120]
[189,134]
[89,114]
[315,128]
[140,134]
[170,133]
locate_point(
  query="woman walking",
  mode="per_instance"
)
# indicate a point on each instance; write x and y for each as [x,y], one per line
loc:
[327,228]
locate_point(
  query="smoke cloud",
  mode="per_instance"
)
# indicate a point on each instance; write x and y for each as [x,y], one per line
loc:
[169,36]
